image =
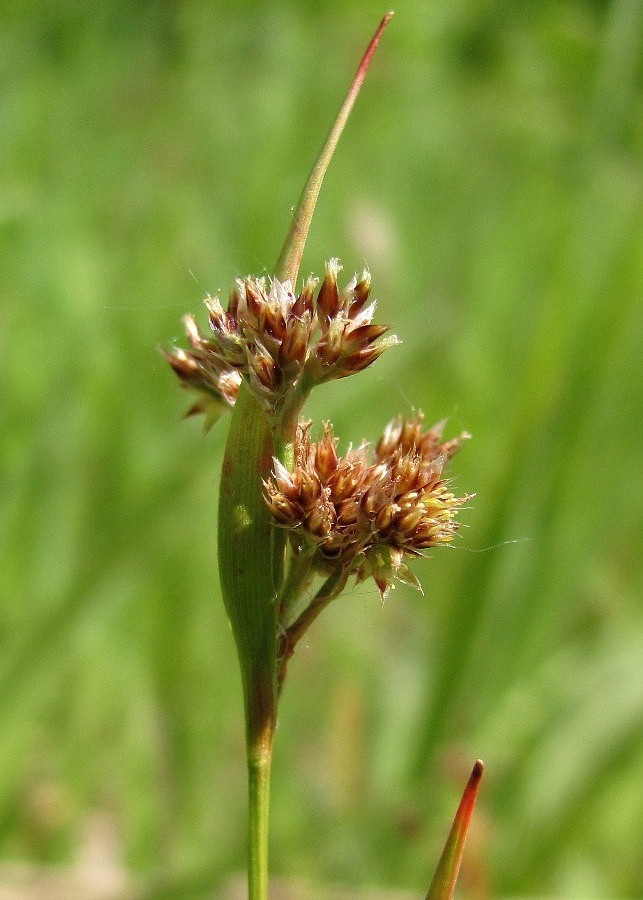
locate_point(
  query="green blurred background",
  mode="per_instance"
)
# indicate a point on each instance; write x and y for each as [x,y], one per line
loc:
[491,178]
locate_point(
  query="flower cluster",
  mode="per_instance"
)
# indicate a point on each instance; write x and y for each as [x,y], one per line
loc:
[363,517]
[280,342]
[215,384]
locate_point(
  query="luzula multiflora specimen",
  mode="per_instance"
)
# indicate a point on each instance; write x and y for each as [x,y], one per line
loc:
[296,520]
[344,516]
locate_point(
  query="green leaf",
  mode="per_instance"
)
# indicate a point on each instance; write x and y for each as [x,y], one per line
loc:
[446,874]
[248,557]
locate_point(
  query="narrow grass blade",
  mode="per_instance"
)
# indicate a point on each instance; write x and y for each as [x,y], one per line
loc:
[446,874]
[290,259]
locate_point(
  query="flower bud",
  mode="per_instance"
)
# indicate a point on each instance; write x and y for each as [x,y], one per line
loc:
[305,302]
[328,296]
[360,292]
[326,454]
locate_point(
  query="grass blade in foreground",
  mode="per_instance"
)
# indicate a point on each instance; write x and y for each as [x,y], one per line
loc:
[446,874]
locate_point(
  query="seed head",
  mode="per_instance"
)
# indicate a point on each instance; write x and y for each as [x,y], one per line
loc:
[363,516]
[280,342]
[203,372]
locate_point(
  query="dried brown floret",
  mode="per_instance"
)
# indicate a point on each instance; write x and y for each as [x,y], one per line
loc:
[282,343]
[366,516]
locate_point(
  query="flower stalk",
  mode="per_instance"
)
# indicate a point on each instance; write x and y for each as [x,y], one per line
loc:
[297,521]
[251,549]
[259,763]
[331,588]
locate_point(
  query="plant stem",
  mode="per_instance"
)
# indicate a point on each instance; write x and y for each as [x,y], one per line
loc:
[251,548]
[259,760]
[298,576]
[331,588]
[249,567]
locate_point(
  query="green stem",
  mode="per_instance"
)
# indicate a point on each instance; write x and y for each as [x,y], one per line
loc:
[290,259]
[249,571]
[331,588]
[284,426]
[298,576]
[251,548]
[259,760]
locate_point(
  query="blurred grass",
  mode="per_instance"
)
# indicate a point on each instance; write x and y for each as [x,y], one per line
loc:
[491,178]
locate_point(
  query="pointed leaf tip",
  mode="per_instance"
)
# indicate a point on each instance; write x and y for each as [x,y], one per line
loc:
[290,258]
[446,874]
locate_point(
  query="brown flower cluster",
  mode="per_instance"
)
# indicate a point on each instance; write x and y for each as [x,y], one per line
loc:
[215,383]
[281,342]
[363,517]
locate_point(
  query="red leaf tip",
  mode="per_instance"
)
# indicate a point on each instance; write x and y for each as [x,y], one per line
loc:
[444,880]
[476,773]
